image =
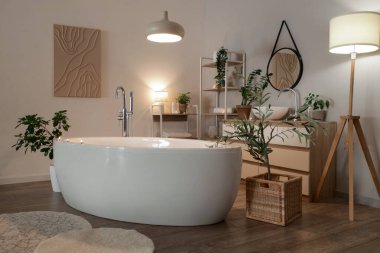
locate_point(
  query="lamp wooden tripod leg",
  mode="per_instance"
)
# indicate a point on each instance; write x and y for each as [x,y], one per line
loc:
[353,121]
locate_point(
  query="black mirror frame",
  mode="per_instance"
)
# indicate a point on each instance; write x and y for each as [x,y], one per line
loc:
[300,62]
[296,51]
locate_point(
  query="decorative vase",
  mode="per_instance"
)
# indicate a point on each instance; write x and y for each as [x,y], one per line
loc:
[54,180]
[182,108]
[277,201]
[243,111]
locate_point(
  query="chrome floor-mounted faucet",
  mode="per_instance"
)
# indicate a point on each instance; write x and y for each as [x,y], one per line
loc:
[125,115]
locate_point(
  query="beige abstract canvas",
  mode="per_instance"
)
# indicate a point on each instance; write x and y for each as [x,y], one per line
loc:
[76,62]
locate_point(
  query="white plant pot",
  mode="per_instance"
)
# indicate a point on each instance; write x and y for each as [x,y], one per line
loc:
[53,179]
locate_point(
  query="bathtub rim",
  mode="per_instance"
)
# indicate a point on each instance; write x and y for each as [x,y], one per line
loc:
[225,147]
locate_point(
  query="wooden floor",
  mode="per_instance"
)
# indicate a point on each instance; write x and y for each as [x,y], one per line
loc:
[324,227]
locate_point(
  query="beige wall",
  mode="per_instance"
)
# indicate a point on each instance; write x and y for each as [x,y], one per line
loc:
[26,57]
[128,59]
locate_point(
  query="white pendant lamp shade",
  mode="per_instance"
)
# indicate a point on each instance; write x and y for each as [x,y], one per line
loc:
[357,32]
[165,31]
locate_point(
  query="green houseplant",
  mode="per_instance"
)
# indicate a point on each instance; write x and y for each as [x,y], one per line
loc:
[316,106]
[273,198]
[183,100]
[252,92]
[38,137]
[221,59]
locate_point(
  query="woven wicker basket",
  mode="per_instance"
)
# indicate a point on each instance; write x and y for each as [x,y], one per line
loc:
[278,201]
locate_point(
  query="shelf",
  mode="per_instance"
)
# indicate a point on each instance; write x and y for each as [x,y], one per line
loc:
[229,63]
[222,94]
[174,114]
[222,89]
[219,114]
[171,117]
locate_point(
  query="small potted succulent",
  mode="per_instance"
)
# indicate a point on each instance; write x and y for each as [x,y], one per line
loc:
[252,92]
[37,137]
[221,59]
[316,106]
[183,100]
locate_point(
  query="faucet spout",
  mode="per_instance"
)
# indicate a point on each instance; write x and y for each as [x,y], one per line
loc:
[120,89]
[296,101]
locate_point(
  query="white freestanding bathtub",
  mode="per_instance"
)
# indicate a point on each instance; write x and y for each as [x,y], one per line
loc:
[149,180]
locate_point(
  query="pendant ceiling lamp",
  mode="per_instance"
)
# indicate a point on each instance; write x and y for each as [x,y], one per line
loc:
[165,31]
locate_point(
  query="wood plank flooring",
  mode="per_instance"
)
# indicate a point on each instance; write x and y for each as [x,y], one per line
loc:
[323,227]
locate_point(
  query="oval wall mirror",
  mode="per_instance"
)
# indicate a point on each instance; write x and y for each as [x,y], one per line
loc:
[286,67]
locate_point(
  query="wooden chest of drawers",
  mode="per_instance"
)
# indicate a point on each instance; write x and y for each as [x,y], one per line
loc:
[295,158]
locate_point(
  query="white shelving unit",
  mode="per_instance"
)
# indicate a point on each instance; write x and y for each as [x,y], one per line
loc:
[221,94]
[159,116]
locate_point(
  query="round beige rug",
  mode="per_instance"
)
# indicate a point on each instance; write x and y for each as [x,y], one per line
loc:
[22,232]
[99,240]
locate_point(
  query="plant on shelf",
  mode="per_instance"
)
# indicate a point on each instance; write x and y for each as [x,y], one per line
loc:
[257,134]
[316,106]
[183,100]
[221,59]
[37,136]
[316,102]
[252,92]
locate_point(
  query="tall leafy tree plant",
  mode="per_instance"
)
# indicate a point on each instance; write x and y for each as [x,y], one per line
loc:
[260,131]
[37,135]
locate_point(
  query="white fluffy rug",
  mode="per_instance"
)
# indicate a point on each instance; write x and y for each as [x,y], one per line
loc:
[22,232]
[99,240]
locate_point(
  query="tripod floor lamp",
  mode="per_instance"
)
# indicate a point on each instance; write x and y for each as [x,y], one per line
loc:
[352,34]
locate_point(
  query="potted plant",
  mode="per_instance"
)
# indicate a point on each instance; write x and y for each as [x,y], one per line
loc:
[271,197]
[183,100]
[252,91]
[37,137]
[316,106]
[221,59]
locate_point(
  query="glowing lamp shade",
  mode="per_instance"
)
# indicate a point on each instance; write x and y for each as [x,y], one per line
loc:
[165,31]
[160,96]
[358,32]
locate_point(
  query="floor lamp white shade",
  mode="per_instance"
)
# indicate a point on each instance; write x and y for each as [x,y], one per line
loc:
[357,32]
[353,34]
[165,31]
